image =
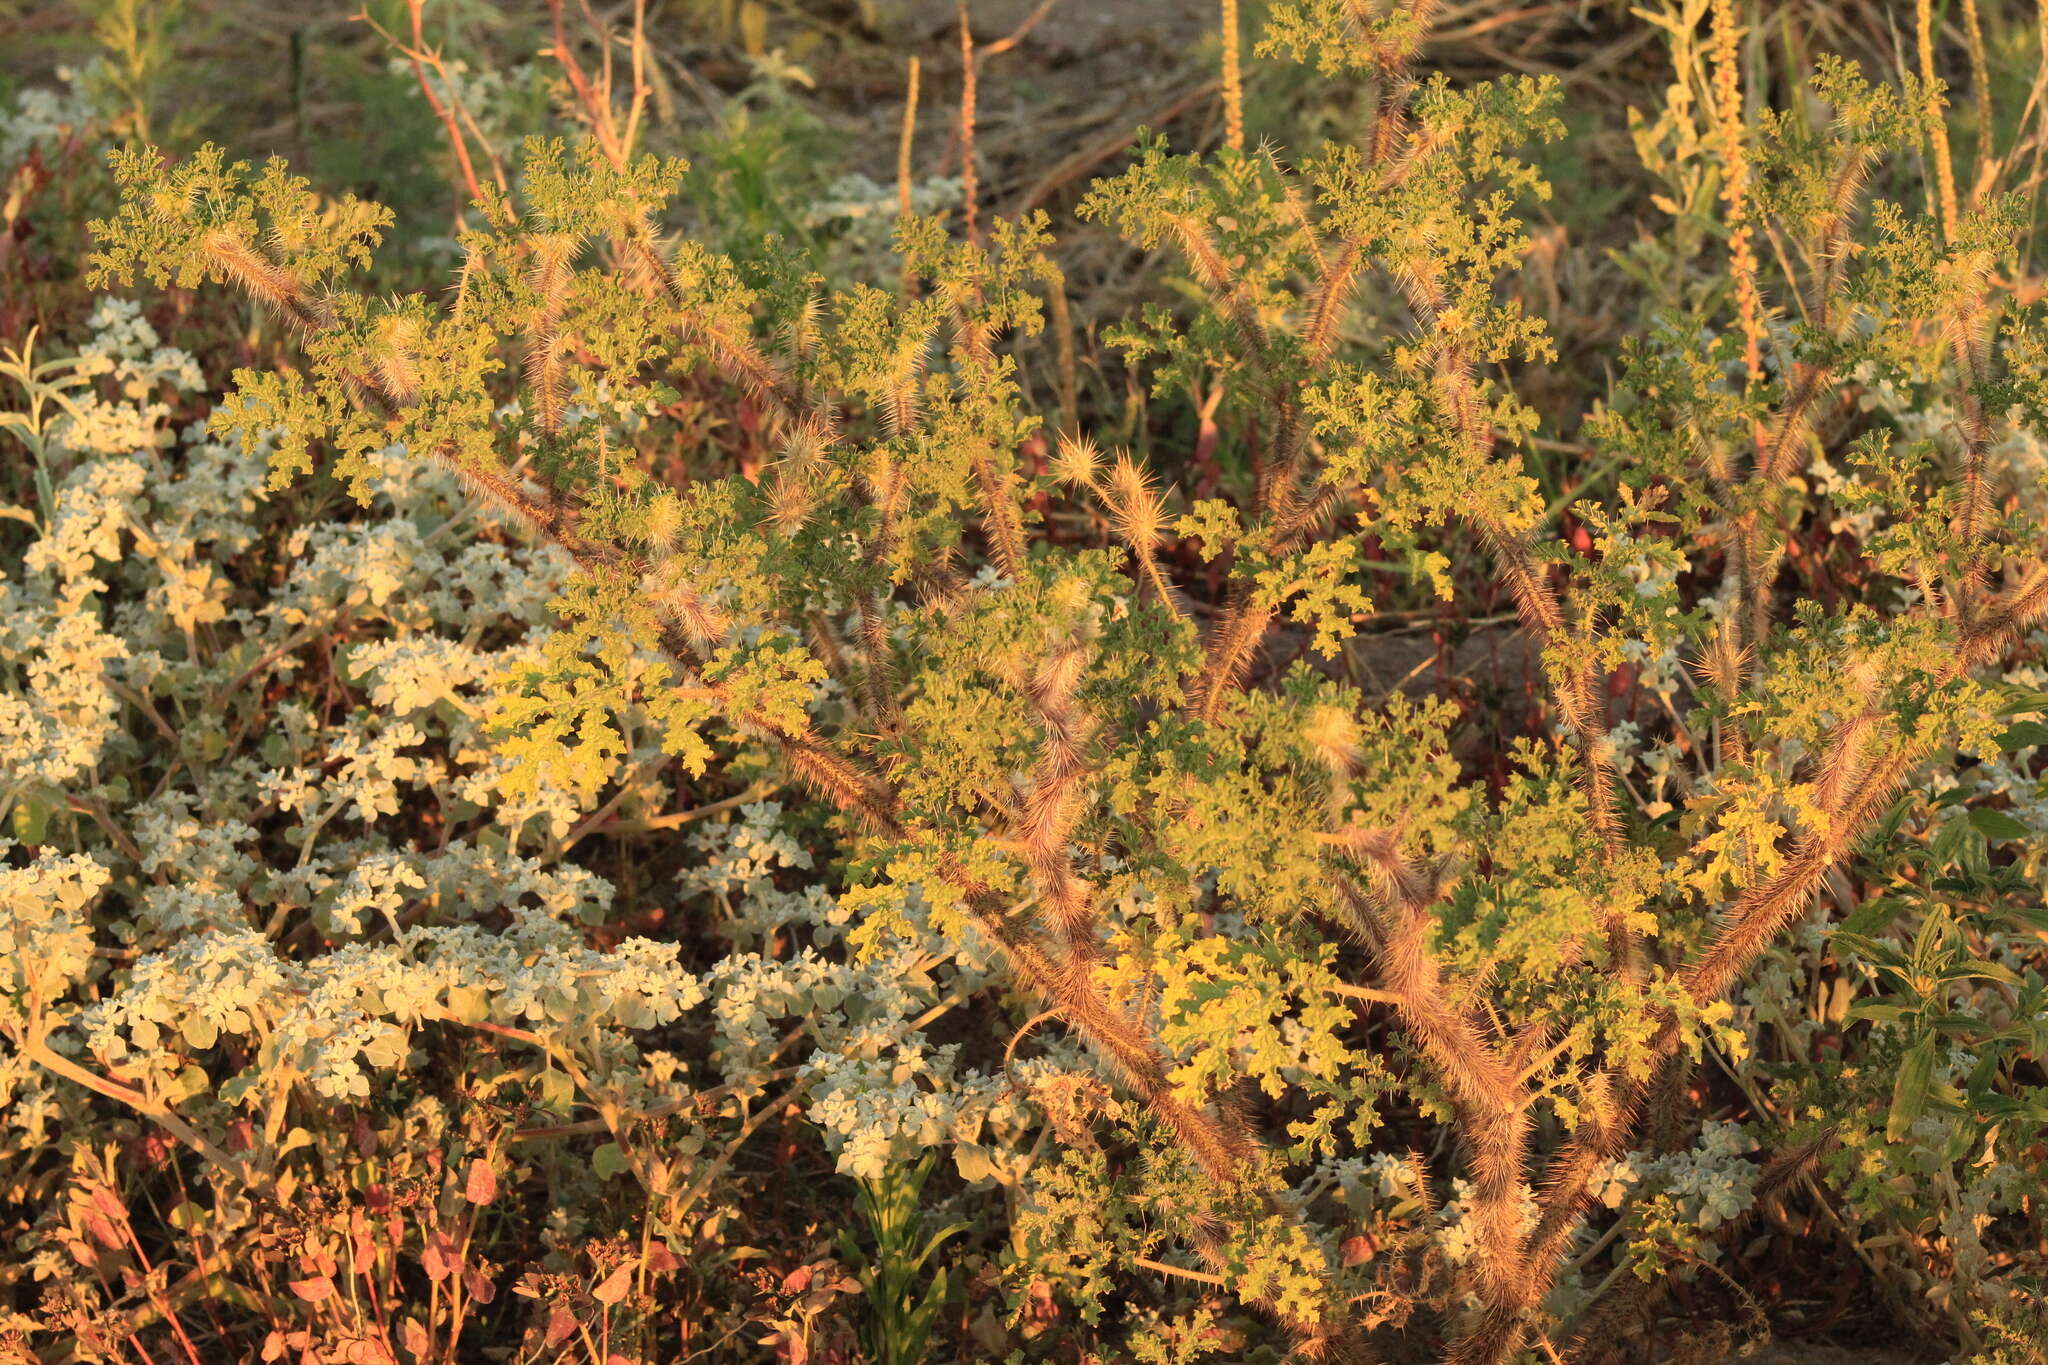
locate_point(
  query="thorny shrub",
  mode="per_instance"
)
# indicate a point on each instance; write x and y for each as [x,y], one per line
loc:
[293,916]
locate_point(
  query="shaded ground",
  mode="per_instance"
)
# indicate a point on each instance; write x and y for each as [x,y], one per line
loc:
[1816,1353]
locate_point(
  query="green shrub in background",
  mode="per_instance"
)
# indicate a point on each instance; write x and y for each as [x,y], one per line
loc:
[299,903]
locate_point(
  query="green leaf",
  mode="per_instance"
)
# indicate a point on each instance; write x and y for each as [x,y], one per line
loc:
[1909,1093]
[973,1161]
[610,1160]
[190,1081]
[2022,699]
[237,1089]
[1871,917]
[1991,971]
[1996,824]
[939,1239]
[2033,916]
[1869,949]
[1961,1137]
[557,1091]
[1984,1073]
[1886,831]
[200,1032]
[2028,734]
[386,1050]
[32,820]
[1960,844]
[1931,941]
[468,1004]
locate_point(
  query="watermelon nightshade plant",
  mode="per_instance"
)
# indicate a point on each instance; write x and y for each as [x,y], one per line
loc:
[1060,747]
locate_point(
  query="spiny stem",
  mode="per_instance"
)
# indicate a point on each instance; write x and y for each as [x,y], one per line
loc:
[1735,183]
[1490,1100]
[1233,80]
[1215,1139]
[905,140]
[1937,127]
[1759,915]
[970,187]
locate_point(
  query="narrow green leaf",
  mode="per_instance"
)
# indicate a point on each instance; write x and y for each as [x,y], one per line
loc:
[1996,824]
[1882,1011]
[2028,734]
[1909,1093]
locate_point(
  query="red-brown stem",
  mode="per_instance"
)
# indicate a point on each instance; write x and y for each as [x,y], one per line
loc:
[417,55]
